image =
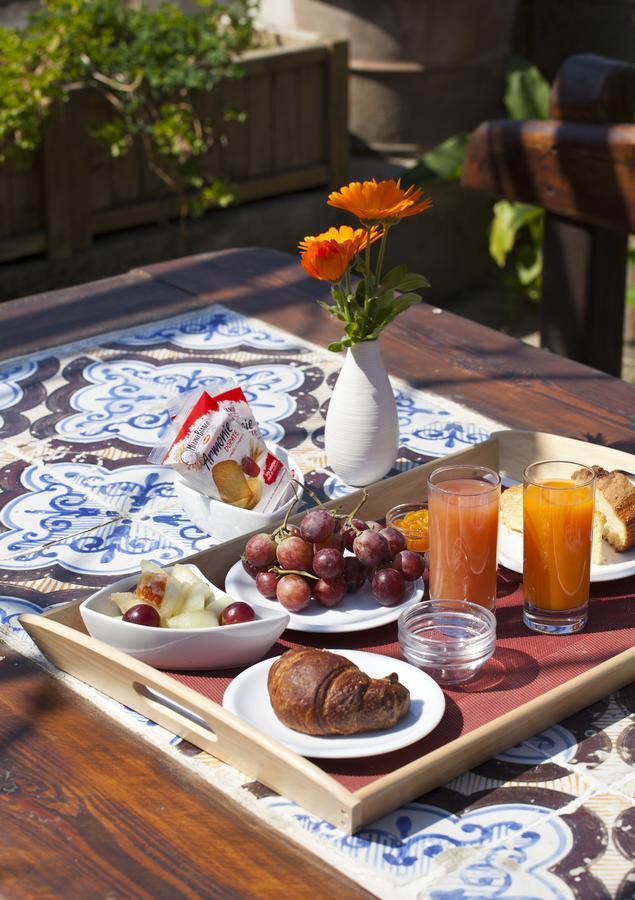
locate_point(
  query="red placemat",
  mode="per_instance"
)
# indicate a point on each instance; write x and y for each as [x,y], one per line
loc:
[524,666]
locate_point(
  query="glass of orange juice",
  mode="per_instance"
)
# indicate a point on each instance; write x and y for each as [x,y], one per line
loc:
[463,504]
[557,532]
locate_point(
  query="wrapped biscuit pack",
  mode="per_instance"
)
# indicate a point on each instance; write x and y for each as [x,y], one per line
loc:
[217,448]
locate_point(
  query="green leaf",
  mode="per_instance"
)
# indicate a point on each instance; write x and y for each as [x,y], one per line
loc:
[404,302]
[360,292]
[444,163]
[526,92]
[413,282]
[509,219]
[385,298]
[336,346]
[391,279]
[529,269]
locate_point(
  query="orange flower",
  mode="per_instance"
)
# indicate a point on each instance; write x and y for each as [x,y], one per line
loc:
[328,255]
[380,201]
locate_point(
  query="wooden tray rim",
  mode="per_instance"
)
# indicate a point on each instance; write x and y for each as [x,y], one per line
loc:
[234,741]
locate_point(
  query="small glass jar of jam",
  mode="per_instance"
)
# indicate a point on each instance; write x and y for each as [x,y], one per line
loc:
[412,520]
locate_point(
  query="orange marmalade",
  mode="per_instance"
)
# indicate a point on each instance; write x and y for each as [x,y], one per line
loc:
[414,527]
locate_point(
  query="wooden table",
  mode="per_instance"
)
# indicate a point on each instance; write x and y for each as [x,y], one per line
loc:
[87,809]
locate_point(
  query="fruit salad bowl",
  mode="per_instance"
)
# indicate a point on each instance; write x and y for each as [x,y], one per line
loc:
[224,521]
[218,647]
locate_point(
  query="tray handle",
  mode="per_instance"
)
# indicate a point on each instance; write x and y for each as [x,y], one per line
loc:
[193,717]
[186,718]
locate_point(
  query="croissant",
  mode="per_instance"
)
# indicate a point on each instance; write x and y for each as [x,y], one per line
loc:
[317,692]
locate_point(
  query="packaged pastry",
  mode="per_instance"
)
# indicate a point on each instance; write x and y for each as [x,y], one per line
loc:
[217,448]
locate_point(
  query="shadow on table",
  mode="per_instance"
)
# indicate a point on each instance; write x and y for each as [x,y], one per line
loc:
[35,703]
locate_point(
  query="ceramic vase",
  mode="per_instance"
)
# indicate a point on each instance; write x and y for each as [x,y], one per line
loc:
[362,428]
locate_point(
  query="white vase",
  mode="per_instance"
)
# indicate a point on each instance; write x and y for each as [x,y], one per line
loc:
[362,428]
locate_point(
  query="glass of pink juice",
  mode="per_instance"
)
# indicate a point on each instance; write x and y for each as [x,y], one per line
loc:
[463,504]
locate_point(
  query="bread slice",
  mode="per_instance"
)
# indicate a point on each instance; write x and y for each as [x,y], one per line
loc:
[615,500]
[512,507]
[512,510]
[598,546]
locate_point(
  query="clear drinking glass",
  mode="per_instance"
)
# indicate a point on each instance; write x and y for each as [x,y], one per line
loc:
[463,503]
[557,533]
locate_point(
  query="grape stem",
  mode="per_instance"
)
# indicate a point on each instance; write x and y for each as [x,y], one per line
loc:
[310,492]
[351,516]
[279,571]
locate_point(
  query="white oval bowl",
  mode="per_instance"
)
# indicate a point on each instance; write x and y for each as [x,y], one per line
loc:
[224,521]
[181,648]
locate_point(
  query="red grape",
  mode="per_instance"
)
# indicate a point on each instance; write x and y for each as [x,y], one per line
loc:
[371,548]
[328,563]
[260,550]
[410,564]
[335,540]
[294,553]
[348,534]
[329,591]
[317,525]
[293,592]
[388,587]
[252,571]
[293,530]
[374,526]
[351,531]
[236,613]
[396,540]
[267,582]
[354,573]
[143,614]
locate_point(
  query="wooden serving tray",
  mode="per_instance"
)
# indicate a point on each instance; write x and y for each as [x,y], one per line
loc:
[569,674]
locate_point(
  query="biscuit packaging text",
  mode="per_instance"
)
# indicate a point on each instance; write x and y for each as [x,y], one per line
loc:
[217,448]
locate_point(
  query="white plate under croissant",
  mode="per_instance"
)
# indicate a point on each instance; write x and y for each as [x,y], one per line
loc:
[247,696]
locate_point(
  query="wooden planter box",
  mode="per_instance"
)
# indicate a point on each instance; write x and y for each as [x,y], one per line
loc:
[295,137]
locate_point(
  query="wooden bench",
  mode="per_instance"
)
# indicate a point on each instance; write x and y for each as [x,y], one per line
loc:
[580,166]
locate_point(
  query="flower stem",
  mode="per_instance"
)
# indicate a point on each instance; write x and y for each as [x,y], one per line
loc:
[368,276]
[382,249]
[347,275]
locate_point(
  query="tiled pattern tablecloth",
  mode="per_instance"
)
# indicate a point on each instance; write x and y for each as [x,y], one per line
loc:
[80,506]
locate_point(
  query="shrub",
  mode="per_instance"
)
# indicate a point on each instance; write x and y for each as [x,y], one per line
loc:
[149,65]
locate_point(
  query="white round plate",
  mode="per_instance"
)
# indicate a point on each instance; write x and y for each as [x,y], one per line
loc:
[617,565]
[247,696]
[356,612]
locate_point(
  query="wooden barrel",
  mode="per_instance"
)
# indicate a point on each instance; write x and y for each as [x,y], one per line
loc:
[420,70]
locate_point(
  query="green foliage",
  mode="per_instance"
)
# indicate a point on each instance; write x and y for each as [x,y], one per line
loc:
[526,92]
[149,64]
[444,163]
[510,220]
[374,303]
[516,228]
